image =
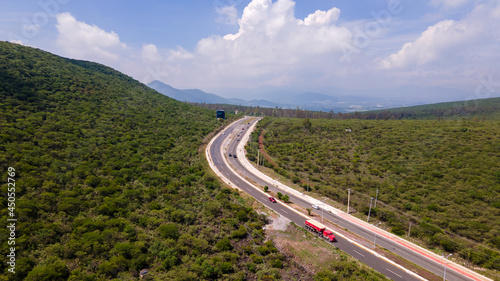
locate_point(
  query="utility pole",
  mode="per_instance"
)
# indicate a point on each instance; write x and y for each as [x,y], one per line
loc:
[348,199]
[369,211]
[376,196]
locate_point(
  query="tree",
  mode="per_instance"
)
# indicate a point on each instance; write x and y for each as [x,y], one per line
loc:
[266,188]
[307,124]
[309,211]
[279,195]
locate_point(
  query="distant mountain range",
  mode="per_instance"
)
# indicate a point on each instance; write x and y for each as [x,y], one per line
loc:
[344,100]
[190,95]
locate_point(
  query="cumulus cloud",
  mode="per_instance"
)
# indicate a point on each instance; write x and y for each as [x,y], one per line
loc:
[227,14]
[150,53]
[83,41]
[433,44]
[272,42]
[450,41]
[322,17]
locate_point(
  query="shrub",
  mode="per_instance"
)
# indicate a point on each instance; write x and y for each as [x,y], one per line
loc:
[256,258]
[224,245]
[55,269]
[169,231]
[398,230]
[277,263]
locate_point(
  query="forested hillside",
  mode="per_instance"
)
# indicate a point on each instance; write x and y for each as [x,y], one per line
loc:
[109,180]
[442,176]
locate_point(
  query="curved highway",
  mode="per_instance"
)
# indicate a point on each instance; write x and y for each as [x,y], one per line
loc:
[232,141]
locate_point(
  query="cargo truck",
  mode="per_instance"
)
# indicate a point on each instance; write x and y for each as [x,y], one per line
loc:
[320,230]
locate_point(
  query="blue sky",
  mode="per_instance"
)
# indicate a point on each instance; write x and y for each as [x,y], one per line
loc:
[234,47]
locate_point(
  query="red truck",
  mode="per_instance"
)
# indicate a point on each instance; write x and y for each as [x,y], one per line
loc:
[320,230]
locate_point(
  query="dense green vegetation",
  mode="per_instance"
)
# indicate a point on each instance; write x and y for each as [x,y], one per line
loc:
[109,180]
[441,175]
[480,109]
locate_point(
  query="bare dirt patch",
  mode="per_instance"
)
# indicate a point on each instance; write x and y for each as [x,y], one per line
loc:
[309,252]
[277,222]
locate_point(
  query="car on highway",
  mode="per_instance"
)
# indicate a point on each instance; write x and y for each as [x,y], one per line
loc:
[230,155]
[315,207]
[234,155]
[272,199]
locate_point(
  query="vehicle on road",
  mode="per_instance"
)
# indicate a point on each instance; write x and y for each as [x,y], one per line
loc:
[320,230]
[272,199]
[234,155]
[315,207]
[230,155]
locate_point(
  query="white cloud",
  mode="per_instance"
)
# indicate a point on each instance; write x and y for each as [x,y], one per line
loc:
[19,42]
[273,45]
[322,17]
[433,44]
[449,42]
[83,41]
[180,54]
[150,53]
[227,14]
[447,4]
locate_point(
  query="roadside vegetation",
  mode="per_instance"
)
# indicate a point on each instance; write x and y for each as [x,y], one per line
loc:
[319,256]
[442,176]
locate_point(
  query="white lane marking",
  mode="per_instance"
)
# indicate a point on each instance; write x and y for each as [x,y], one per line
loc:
[359,253]
[394,273]
[284,211]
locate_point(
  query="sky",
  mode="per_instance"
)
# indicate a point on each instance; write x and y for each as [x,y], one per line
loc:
[237,47]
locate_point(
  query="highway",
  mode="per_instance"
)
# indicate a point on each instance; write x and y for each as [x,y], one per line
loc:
[228,142]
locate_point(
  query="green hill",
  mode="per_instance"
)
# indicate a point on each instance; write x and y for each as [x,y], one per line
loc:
[109,180]
[485,109]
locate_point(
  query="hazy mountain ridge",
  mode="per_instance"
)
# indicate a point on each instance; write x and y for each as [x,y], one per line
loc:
[335,99]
